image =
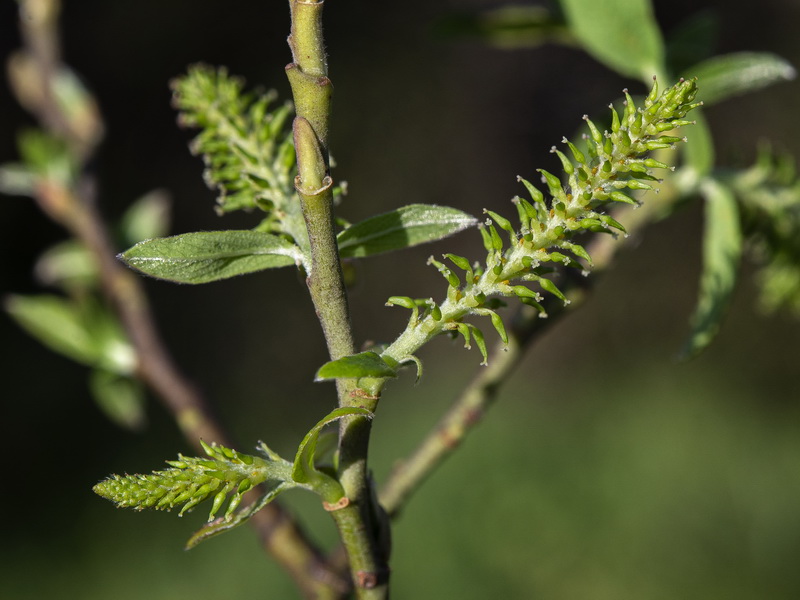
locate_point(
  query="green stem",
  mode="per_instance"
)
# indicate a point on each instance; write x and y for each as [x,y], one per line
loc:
[369,582]
[312,89]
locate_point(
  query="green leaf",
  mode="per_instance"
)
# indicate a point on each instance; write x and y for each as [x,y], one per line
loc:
[365,364]
[304,470]
[210,255]
[731,75]
[722,250]
[327,446]
[86,332]
[120,398]
[402,228]
[57,324]
[622,34]
[146,218]
[68,265]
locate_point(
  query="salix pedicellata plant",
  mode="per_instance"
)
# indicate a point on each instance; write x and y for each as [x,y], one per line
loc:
[613,161]
[283,248]
[54,173]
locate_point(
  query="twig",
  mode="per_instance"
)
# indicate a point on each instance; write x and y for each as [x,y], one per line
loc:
[312,89]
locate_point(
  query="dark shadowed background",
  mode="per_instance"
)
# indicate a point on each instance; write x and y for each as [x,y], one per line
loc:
[607,470]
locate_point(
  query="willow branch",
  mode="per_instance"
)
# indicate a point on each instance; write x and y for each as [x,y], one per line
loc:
[74,207]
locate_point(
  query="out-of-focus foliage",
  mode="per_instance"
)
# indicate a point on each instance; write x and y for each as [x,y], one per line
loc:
[769,194]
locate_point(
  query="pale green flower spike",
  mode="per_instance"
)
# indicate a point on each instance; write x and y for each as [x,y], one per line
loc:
[614,164]
[226,475]
[245,142]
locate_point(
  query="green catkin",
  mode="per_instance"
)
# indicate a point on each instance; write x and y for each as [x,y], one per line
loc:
[613,166]
[190,481]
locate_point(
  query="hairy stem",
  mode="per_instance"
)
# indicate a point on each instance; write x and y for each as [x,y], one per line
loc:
[311,89]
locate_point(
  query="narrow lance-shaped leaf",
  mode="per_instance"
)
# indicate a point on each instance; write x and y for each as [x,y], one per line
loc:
[739,73]
[68,264]
[402,228]
[722,249]
[56,323]
[211,255]
[623,34]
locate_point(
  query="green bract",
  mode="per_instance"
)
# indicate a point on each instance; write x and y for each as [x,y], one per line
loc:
[365,364]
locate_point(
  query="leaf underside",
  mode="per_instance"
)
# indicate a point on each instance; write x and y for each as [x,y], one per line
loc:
[207,256]
[365,364]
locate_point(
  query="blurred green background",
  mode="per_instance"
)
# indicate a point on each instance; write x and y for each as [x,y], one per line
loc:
[606,470]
